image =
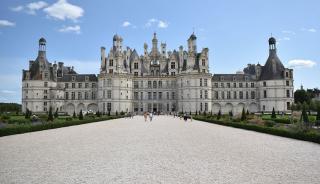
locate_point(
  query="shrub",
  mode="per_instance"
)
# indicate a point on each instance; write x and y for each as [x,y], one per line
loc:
[273,115]
[219,115]
[50,115]
[74,114]
[81,115]
[243,115]
[116,113]
[269,123]
[5,118]
[56,115]
[69,118]
[122,113]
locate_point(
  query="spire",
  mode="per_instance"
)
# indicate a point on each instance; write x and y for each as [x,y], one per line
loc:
[42,47]
[154,43]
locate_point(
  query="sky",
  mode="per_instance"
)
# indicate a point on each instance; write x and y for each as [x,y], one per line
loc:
[236,33]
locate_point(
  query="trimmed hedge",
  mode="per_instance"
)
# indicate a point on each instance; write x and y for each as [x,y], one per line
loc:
[305,136]
[19,129]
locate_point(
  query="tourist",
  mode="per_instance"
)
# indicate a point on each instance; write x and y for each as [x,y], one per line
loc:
[185,117]
[145,116]
[150,116]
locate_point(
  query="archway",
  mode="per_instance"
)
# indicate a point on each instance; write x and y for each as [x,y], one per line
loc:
[92,107]
[80,107]
[70,108]
[215,108]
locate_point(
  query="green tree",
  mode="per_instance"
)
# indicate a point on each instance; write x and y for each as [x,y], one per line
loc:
[243,115]
[50,115]
[27,114]
[56,115]
[318,116]
[116,113]
[301,96]
[273,115]
[305,118]
[247,112]
[98,114]
[74,114]
[196,113]
[80,115]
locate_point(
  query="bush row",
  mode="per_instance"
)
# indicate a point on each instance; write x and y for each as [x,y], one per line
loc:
[305,136]
[19,129]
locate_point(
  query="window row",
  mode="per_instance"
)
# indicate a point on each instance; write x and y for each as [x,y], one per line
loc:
[80,95]
[80,85]
[233,85]
[234,95]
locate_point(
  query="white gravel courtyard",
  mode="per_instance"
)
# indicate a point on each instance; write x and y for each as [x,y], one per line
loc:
[167,150]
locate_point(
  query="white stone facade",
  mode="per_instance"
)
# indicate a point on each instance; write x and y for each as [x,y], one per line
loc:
[159,80]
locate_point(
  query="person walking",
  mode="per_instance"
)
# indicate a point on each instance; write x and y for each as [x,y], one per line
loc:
[150,116]
[145,116]
[185,117]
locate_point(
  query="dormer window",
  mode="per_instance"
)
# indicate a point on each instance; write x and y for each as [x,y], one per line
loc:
[246,78]
[222,78]
[234,78]
[111,62]
[203,62]
[73,78]
[87,78]
[173,65]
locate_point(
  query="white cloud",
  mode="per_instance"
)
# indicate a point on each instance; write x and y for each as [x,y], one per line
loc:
[288,32]
[301,63]
[33,7]
[126,24]
[159,23]
[7,92]
[6,23]
[71,29]
[63,10]
[312,30]
[162,24]
[17,8]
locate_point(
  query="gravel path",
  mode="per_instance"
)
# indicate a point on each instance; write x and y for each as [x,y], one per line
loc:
[167,150]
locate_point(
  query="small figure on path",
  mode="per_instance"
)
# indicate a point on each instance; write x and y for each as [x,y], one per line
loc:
[150,116]
[145,116]
[185,117]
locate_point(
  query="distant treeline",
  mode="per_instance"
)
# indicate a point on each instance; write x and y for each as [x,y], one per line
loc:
[10,107]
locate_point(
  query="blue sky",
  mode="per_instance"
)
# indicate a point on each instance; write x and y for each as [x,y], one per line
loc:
[236,33]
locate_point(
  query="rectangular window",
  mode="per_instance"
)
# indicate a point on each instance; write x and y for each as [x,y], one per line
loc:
[45,91]
[86,96]
[234,85]
[216,95]
[136,66]
[136,73]
[222,84]
[264,84]
[93,85]
[160,95]
[154,95]
[109,82]
[149,84]
[73,95]
[205,82]
[66,95]
[109,94]
[234,95]
[149,96]
[228,95]
[135,84]
[173,95]
[79,96]
[173,65]
[93,95]
[110,70]
[288,93]
[66,85]
[200,106]
[45,84]
[252,84]
[216,85]
[206,94]
[79,85]
[288,105]
[240,85]
[247,85]
[109,107]
[287,83]
[160,84]
[200,94]
[200,82]
[247,95]
[228,85]
[205,106]
[111,62]
[264,94]
[86,85]
[168,96]
[154,84]
[240,94]
[73,85]
[253,95]
[222,94]
[136,95]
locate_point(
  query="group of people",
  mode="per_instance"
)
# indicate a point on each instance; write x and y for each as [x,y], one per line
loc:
[146,114]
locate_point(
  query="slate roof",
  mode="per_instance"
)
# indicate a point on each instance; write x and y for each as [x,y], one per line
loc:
[229,77]
[273,69]
[79,78]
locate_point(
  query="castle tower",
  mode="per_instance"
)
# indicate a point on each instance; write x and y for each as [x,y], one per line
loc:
[117,43]
[154,43]
[192,44]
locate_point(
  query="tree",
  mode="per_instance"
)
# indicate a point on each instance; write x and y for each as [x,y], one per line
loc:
[50,115]
[98,114]
[273,115]
[243,115]
[116,113]
[108,113]
[247,112]
[318,116]
[80,115]
[301,96]
[74,114]
[305,118]
[27,114]
[56,115]
[196,112]
[219,114]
